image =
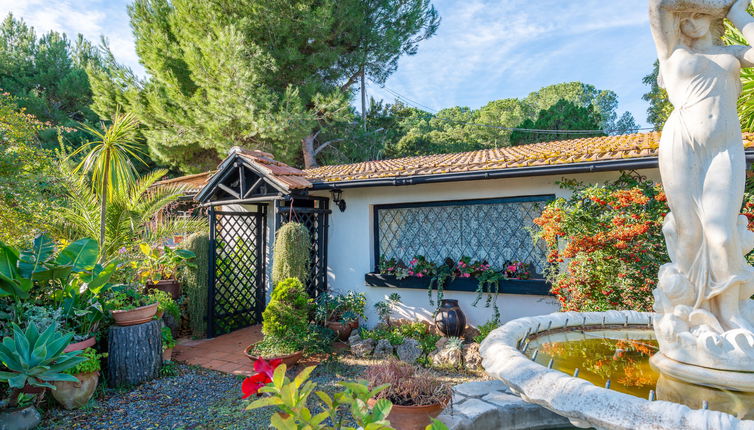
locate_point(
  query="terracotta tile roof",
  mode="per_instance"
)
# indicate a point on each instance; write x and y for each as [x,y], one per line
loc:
[640,145]
[193,183]
[605,148]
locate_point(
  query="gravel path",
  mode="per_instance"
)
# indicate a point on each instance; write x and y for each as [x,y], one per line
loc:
[197,398]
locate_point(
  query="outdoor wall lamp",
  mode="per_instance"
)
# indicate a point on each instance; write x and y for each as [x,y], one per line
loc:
[337,193]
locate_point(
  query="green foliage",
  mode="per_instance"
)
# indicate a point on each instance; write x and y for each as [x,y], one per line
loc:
[291,255]
[167,338]
[292,397]
[165,303]
[91,364]
[563,115]
[130,215]
[384,308]
[47,76]
[125,298]
[37,359]
[227,72]
[196,281]
[485,329]
[659,105]
[288,310]
[733,36]
[30,183]
[347,307]
[158,263]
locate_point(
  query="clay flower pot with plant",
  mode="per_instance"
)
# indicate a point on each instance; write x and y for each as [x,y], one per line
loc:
[73,395]
[160,265]
[285,324]
[130,307]
[417,396]
[340,312]
[168,343]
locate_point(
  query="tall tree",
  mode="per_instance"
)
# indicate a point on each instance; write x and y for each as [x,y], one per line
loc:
[263,74]
[109,161]
[659,106]
[47,76]
[563,115]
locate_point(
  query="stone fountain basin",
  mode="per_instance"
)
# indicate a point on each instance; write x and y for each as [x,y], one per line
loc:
[584,404]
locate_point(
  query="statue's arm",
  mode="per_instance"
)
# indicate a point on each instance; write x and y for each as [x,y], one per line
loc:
[661,22]
[743,21]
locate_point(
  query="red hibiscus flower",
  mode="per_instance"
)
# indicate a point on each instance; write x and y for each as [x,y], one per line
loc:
[254,383]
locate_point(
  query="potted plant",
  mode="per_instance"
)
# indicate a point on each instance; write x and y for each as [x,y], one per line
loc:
[340,312]
[417,396]
[160,265]
[73,395]
[130,307]
[168,343]
[285,324]
[165,304]
[34,361]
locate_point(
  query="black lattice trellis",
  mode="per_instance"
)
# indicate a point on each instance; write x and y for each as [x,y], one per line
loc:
[236,290]
[495,230]
[314,214]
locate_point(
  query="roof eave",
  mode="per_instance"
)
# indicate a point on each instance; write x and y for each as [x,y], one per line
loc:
[516,172]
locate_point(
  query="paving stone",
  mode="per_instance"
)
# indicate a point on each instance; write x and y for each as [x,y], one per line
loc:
[479,388]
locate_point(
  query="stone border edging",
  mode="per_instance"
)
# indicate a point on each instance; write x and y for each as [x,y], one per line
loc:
[584,404]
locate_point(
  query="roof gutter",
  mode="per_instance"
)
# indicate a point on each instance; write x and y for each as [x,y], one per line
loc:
[518,172]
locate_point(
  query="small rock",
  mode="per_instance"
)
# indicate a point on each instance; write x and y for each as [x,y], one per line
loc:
[470,333]
[354,338]
[448,357]
[472,359]
[409,351]
[363,348]
[440,344]
[383,349]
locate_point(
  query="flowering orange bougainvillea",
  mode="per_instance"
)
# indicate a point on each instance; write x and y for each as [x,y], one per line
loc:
[607,245]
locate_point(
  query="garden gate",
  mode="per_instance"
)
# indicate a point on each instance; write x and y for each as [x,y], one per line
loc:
[237,269]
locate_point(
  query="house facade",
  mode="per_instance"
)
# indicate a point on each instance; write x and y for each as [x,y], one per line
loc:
[478,204]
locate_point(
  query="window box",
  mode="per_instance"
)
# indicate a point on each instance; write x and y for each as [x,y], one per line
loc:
[537,287]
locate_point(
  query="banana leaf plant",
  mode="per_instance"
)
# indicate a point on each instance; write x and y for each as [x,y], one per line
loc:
[36,359]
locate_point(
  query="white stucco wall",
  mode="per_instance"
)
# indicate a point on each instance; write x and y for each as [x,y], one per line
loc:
[351,245]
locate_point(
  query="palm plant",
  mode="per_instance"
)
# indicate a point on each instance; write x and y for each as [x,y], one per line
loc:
[745,107]
[130,216]
[108,160]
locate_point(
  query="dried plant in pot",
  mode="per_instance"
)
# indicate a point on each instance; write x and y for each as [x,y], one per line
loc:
[417,395]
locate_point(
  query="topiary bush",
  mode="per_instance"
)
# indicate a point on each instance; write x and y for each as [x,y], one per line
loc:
[287,313]
[196,282]
[290,258]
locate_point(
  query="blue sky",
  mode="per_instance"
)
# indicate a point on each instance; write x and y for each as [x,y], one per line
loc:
[484,50]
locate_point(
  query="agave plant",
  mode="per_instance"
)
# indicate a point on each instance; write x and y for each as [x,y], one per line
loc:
[130,215]
[36,359]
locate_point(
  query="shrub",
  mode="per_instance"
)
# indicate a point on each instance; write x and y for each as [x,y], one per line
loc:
[409,386]
[165,303]
[609,238]
[196,281]
[485,329]
[167,338]
[288,310]
[291,257]
[340,307]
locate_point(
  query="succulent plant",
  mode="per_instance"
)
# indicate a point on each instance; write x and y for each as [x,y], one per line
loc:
[37,359]
[454,343]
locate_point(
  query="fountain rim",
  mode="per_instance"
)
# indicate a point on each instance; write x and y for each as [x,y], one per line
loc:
[583,403]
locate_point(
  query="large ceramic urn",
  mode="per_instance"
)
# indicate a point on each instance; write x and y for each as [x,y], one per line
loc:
[450,319]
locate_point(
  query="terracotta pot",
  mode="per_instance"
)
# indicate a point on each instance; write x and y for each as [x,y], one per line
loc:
[170,286]
[73,395]
[343,330]
[412,417]
[78,346]
[167,355]
[139,315]
[450,319]
[288,360]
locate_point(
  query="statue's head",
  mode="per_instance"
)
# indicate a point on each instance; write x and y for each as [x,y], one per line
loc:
[697,25]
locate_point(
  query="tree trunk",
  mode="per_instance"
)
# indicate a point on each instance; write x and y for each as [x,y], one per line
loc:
[307,147]
[135,353]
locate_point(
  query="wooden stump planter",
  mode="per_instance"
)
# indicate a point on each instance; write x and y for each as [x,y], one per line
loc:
[288,360]
[73,395]
[412,417]
[134,353]
[135,316]
[170,286]
[343,330]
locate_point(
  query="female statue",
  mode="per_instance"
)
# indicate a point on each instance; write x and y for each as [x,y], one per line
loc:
[702,164]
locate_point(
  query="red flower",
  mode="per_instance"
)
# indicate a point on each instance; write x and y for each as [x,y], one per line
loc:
[253,383]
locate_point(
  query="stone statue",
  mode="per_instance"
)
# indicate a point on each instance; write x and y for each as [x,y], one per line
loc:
[705,316]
